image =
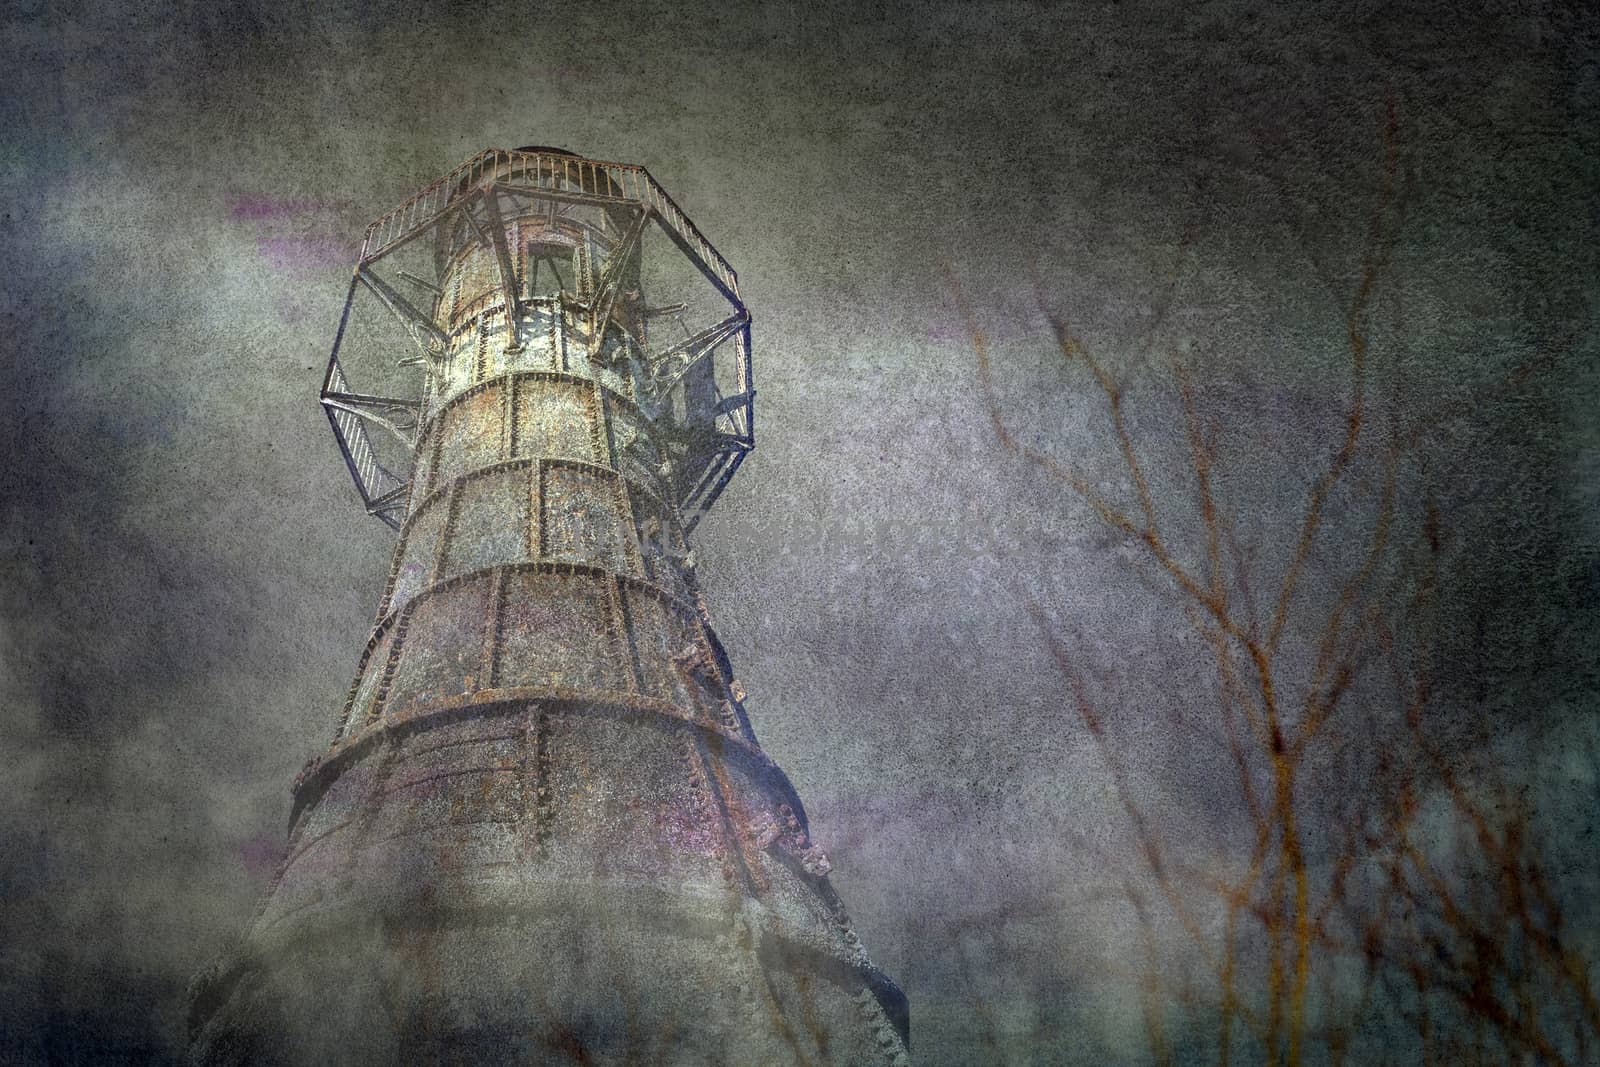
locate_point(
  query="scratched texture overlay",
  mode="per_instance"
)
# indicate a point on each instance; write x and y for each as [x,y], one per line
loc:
[1168,568]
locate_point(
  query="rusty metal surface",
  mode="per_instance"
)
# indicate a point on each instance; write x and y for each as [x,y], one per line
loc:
[499,199]
[543,713]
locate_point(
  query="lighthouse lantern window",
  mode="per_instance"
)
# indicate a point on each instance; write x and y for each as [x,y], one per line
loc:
[549,269]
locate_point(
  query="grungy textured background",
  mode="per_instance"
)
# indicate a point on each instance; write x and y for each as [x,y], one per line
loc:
[185,576]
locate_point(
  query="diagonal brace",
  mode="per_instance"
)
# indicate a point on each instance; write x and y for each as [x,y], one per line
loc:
[605,296]
[421,328]
[397,416]
[391,506]
[502,254]
[669,366]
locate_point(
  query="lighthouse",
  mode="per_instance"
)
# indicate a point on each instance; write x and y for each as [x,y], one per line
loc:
[544,830]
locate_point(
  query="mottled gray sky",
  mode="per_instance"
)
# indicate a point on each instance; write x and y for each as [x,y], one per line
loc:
[186,576]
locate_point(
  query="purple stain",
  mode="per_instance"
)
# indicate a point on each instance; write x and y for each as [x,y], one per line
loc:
[259,856]
[293,252]
[270,207]
[305,253]
[685,827]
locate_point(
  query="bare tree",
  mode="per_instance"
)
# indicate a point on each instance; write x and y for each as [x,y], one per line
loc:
[1458,940]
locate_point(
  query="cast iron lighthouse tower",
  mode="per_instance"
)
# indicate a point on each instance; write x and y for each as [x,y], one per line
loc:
[545,831]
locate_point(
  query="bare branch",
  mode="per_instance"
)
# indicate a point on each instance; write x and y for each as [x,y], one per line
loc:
[1379,242]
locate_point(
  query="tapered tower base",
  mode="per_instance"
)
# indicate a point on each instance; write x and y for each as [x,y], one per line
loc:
[545,831]
[679,984]
[510,933]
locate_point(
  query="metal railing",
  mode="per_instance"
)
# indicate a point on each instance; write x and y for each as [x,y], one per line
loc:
[570,178]
[372,478]
[573,175]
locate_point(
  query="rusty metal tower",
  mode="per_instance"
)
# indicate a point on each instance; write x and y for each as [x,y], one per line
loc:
[545,831]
